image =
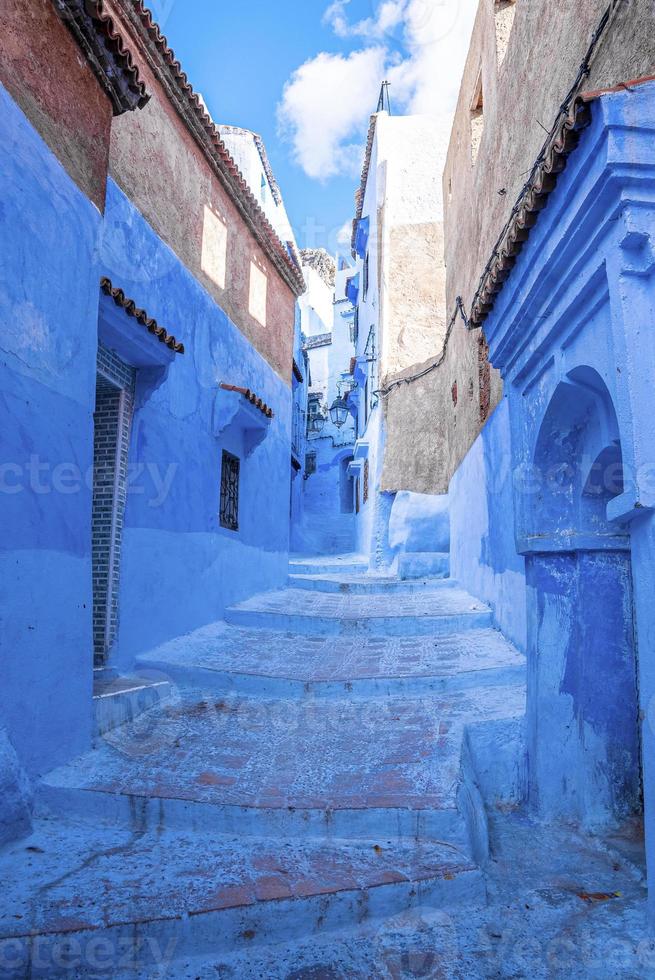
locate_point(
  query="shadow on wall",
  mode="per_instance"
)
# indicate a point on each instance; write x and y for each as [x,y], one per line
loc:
[346,487]
[583,740]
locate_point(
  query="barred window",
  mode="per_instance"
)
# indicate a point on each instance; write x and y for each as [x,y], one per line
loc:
[230,492]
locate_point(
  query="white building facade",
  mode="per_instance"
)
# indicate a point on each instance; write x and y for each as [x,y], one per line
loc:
[397,290]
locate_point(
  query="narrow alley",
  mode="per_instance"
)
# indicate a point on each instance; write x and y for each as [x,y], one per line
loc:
[327,490]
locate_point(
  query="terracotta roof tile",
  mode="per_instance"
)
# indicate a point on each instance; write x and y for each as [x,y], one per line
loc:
[104,47]
[251,397]
[536,196]
[361,190]
[141,316]
[532,203]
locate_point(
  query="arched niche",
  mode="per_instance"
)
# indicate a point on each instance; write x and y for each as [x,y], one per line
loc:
[577,468]
[582,710]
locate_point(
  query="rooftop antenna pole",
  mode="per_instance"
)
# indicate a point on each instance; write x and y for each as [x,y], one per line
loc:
[384,96]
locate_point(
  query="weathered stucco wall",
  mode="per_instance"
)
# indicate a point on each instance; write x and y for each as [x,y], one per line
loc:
[432,421]
[546,46]
[406,295]
[520,95]
[411,273]
[48,316]
[163,170]
[41,66]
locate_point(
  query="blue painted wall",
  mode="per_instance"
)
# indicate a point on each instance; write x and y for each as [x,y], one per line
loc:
[179,567]
[483,555]
[48,304]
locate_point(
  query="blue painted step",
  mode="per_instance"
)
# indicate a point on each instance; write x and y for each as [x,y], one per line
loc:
[364,584]
[440,610]
[118,700]
[423,564]
[330,564]
[264,663]
[202,895]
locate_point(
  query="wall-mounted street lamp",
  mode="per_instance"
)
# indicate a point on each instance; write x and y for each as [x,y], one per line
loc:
[339,411]
[315,422]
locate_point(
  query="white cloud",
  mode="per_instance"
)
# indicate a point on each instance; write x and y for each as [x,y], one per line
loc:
[388,17]
[322,107]
[419,45]
[344,234]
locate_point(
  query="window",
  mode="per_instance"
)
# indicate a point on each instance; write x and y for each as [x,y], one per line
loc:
[504,11]
[354,327]
[257,295]
[213,260]
[365,278]
[477,120]
[310,464]
[230,492]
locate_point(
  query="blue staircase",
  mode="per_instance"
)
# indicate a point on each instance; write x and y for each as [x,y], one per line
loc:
[310,774]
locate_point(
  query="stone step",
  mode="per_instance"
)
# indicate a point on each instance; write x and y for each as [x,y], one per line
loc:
[328,565]
[422,564]
[118,700]
[344,768]
[222,659]
[536,923]
[183,894]
[365,584]
[440,610]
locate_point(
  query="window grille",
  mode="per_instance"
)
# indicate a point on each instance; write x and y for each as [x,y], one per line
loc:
[354,327]
[310,463]
[365,491]
[230,492]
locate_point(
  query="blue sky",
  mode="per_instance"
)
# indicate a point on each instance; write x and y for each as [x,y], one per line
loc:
[244,59]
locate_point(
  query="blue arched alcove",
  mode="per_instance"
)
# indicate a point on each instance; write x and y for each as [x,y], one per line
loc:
[577,468]
[583,751]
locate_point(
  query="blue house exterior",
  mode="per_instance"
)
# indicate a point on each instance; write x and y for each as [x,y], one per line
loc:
[552,509]
[175,538]
[94,303]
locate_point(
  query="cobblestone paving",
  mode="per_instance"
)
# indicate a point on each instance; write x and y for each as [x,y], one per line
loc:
[539,922]
[298,602]
[389,752]
[89,877]
[286,896]
[274,653]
